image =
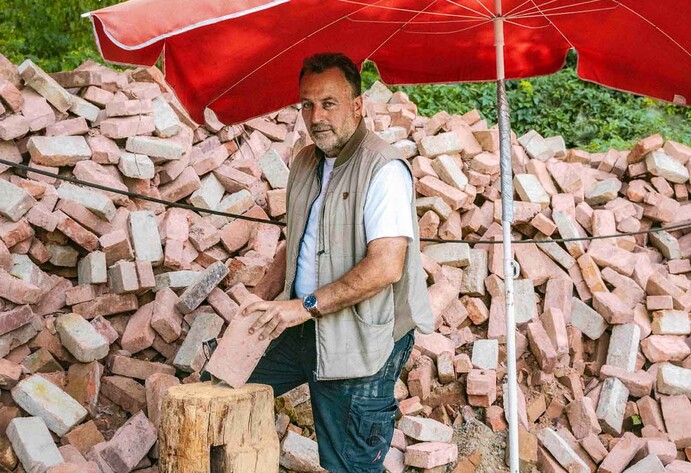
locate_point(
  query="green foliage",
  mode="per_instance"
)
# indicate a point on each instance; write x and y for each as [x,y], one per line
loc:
[49,32]
[587,115]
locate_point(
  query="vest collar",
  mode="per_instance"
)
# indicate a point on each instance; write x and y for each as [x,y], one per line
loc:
[353,143]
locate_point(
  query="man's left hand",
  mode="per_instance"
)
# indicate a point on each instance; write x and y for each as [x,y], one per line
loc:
[277,316]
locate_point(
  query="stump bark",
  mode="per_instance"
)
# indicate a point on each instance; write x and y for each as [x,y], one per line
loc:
[207,428]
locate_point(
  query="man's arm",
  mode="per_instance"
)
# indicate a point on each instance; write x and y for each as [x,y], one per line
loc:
[381,266]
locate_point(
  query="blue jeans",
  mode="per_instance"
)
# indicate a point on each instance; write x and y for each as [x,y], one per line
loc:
[353,418]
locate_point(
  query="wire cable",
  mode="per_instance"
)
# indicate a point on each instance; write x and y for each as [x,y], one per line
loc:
[193,208]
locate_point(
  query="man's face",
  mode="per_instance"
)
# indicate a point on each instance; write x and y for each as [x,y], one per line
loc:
[329,109]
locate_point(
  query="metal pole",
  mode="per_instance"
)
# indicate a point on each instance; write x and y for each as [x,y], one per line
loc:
[506,221]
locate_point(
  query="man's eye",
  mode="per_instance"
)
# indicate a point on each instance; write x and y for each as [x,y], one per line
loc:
[329,105]
[307,106]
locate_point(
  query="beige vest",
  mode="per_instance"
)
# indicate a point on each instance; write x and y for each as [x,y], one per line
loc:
[357,340]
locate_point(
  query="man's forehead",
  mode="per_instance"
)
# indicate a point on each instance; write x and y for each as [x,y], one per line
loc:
[328,84]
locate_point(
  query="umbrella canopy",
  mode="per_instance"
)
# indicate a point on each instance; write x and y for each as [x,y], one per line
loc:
[219,54]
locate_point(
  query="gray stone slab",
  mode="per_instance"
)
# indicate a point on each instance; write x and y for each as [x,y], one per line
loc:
[190,357]
[41,398]
[201,287]
[33,444]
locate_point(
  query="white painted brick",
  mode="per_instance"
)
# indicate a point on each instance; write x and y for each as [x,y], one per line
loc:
[41,398]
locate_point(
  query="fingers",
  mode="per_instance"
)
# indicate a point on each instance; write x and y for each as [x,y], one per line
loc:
[269,328]
[262,320]
[253,307]
[278,330]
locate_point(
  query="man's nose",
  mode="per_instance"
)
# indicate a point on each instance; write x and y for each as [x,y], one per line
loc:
[317,114]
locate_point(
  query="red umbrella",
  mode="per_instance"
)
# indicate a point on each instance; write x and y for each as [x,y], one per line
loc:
[242,59]
[213,56]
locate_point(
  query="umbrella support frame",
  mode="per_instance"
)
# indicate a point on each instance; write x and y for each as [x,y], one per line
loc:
[511,268]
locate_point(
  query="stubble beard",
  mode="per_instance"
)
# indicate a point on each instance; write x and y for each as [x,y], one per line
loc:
[332,143]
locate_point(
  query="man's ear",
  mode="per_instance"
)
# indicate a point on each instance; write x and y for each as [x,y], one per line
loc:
[359,106]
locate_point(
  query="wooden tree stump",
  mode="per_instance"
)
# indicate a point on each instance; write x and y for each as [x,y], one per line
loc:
[207,428]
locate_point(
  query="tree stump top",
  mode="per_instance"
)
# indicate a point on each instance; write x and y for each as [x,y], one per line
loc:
[208,391]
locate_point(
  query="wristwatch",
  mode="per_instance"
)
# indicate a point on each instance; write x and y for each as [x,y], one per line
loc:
[309,302]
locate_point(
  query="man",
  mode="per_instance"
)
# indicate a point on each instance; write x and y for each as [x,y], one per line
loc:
[355,288]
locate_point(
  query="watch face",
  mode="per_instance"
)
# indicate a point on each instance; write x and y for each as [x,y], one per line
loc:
[310,302]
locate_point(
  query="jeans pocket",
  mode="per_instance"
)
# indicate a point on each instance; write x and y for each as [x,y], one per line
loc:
[399,356]
[369,432]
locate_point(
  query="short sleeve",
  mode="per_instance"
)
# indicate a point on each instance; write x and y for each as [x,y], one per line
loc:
[387,206]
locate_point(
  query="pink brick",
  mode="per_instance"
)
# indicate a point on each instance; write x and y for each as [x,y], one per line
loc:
[130,444]
[125,127]
[122,278]
[612,308]
[10,373]
[117,246]
[432,187]
[582,418]
[166,319]
[650,413]
[18,291]
[108,304]
[241,346]
[79,294]
[69,127]
[676,411]
[91,171]
[176,226]
[84,217]
[666,451]
[222,304]
[38,216]
[15,318]
[103,149]
[657,348]
[431,454]
[621,455]
[182,186]
[138,369]
[156,387]
[13,233]
[607,255]
[105,328]
[138,333]
[145,275]
[77,233]
[541,346]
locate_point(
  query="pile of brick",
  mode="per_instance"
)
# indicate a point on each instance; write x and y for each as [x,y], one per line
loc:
[106,300]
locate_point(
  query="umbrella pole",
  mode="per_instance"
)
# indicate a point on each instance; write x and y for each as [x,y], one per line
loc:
[510,268]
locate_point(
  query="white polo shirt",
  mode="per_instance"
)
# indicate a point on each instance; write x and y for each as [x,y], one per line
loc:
[387,214]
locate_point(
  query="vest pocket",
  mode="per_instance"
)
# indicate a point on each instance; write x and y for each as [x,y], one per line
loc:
[369,432]
[377,310]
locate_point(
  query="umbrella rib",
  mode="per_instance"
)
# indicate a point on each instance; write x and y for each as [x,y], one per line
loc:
[399,29]
[452,32]
[526,26]
[491,14]
[285,50]
[564,13]
[468,8]
[405,10]
[653,25]
[549,12]
[554,26]
[542,9]
[517,7]
[531,11]
[442,22]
